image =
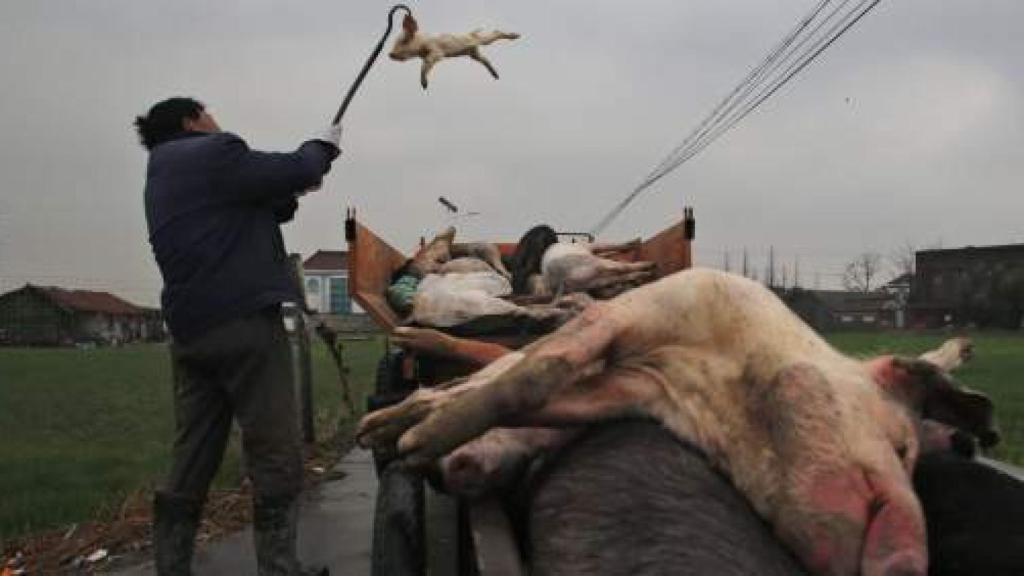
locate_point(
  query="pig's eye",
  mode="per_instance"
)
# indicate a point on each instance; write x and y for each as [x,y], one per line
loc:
[901,451]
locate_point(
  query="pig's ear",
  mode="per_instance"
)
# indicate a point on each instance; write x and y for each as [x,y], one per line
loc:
[934,395]
[409,25]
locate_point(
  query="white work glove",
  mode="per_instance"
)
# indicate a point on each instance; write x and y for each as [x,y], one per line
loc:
[330,135]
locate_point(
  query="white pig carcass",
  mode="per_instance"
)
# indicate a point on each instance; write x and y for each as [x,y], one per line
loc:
[820,450]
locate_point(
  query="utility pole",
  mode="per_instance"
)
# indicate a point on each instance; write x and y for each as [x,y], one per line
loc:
[771,266]
[725,261]
[796,271]
[746,268]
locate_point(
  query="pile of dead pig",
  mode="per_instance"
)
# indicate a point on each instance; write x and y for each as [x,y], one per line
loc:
[845,459]
[542,284]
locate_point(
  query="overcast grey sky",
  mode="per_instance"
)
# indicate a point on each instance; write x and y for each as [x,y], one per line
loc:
[909,129]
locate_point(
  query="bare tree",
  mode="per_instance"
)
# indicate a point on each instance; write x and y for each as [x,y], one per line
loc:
[862,273]
[903,259]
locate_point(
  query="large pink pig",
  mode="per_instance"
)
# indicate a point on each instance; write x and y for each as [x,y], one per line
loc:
[818,448]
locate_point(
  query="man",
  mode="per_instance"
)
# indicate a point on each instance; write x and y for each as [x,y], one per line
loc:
[213,209]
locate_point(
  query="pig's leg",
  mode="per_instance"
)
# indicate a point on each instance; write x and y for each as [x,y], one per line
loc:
[611,285]
[598,273]
[951,354]
[476,55]
[609,394]
[485,251]
[612,267]
[437,252]
[498,458]
[550,364]
[383,426]
[609,249]
[437,343]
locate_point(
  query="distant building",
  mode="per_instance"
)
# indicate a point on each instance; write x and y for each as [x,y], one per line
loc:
[981,285]
[899,288]
[325,275]
[47,315]
[828,310]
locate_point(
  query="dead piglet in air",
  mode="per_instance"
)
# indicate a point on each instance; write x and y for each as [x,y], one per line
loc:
[432,49]
[802,431]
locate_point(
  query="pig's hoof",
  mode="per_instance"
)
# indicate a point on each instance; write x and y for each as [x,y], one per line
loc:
[382,427]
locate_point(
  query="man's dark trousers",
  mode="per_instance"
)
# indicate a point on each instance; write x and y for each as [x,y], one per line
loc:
[243,369]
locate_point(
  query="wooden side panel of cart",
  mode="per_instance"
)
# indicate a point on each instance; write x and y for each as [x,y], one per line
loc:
[372,261]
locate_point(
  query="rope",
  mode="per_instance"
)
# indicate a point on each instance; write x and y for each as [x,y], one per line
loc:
[369,62]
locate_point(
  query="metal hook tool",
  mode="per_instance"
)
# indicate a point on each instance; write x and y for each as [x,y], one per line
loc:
[369,62]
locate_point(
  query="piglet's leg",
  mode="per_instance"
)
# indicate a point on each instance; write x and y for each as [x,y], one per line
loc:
[476,55]
[429,61]
[552,364]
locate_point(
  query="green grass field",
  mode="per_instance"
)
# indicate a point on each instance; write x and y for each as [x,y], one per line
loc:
[79,429]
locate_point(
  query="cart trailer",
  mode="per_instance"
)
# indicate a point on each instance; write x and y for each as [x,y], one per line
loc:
[418,530]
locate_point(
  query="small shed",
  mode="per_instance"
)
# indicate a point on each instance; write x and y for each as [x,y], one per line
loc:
[48,315]
[826,310]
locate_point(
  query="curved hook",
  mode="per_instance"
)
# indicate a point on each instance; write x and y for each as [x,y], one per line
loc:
[369,61]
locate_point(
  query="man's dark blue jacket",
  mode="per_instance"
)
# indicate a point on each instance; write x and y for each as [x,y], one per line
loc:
[213,207]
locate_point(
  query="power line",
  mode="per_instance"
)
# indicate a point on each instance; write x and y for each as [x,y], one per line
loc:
[722,119]
[749,81]
[819,47]
[714,129]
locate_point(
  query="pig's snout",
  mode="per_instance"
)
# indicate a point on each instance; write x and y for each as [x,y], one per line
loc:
[904,563]
[861,522]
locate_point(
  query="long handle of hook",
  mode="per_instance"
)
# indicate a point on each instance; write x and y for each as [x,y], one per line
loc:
[369,62]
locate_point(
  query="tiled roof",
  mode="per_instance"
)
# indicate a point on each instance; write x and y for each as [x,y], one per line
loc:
[88,301]
[845,301]
[972,250]
[327,260]
[903,279]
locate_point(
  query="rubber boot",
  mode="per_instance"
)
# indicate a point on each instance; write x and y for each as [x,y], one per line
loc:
[275,527]
[175,521]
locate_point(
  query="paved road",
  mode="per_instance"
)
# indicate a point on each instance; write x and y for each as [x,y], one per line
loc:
[334,529]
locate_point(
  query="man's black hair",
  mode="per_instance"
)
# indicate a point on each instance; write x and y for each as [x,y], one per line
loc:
[166,119]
